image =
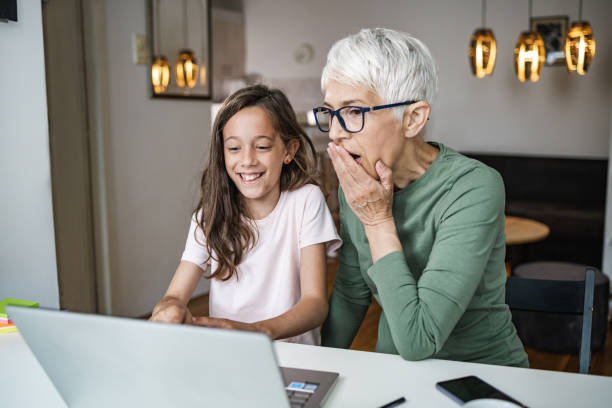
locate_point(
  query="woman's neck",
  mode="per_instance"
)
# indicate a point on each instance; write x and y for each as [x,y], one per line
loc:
[415,159]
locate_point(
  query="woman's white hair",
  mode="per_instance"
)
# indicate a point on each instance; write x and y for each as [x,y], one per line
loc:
[392,64]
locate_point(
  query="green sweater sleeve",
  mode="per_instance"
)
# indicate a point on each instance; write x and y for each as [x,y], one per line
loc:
[350,297]
[421,314]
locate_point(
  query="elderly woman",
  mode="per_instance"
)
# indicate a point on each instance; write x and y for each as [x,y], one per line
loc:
[423,226]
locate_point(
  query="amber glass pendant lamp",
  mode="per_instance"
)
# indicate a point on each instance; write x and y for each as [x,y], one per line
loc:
[529,55]
[579,45]
[483,48]
[186,65]
[160,69]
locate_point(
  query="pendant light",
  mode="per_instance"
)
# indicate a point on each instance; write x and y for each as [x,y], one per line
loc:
[203,39]
[579,45]
[186,64]
[529,55]
[483,48]
[160,70]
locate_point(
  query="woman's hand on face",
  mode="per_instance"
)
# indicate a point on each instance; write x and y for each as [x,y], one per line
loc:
[229,324]
[171,311]
[371,200]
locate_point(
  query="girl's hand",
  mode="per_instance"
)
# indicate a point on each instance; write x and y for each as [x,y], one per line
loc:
[230,324]
[371,200]
[169,310]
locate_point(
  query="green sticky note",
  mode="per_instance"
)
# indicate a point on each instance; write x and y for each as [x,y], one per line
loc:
[14,302]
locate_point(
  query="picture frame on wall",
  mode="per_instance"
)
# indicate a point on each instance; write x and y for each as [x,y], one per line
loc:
[553,30]
[180,34]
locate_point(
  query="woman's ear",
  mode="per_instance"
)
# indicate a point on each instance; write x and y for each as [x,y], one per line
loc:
[415,117]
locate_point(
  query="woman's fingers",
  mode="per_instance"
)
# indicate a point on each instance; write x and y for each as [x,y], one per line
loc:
[370,199]
[356,182]
[345,176]
[385,175]
[351,167]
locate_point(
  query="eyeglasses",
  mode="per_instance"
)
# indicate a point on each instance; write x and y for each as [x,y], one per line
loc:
[351,118]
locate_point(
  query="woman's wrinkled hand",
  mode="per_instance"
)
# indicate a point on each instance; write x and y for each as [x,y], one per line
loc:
[371,200]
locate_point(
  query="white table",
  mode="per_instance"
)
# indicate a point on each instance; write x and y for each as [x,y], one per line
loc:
[373,379]
[366,379]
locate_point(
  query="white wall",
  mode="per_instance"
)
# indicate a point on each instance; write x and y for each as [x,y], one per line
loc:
[27,248]
[154,152]
[561,115]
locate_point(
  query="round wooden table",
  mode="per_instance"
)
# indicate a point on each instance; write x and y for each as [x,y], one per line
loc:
[524,230]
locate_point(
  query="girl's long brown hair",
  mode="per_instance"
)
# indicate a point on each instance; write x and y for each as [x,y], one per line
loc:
[221,213]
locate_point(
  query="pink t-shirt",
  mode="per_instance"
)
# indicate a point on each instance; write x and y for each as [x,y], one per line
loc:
[268,282]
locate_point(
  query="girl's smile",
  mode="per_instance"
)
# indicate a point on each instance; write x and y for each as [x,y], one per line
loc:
[250,178]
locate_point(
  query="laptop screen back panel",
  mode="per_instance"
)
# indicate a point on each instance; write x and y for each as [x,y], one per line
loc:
[100,361]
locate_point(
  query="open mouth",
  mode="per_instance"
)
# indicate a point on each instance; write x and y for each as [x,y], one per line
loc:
[250,177]
[356,157]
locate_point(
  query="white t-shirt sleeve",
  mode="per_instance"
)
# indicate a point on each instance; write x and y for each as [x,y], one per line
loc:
[195,250]
[317,223]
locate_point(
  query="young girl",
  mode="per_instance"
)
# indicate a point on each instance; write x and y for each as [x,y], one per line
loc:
[262,225]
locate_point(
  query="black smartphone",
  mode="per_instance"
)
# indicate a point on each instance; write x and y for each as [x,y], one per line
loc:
[465,389]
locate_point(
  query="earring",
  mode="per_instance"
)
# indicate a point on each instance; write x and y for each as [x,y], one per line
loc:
[287,161]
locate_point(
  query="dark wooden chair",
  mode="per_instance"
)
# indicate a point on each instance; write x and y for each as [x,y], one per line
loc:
[557,296]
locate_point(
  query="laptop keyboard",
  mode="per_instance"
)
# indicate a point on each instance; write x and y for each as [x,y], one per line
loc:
[299,393]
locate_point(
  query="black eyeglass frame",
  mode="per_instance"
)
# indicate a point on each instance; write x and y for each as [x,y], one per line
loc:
[361,108]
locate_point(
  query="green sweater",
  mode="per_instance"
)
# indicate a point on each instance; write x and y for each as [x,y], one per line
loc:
[444,296]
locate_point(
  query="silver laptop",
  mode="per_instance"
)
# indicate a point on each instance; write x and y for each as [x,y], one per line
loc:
[101,361]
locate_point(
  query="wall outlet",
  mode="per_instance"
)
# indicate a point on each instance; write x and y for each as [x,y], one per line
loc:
[140,49]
